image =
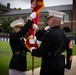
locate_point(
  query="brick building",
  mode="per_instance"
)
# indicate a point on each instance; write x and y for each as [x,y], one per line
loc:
[3,9]
[69,18]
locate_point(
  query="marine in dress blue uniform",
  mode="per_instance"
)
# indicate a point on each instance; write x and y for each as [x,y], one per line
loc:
[52,46]
[18,61]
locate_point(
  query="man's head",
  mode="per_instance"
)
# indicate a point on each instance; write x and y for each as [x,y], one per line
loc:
[55,18]
[17,25]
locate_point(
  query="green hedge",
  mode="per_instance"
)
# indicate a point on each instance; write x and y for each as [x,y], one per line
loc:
[71,33]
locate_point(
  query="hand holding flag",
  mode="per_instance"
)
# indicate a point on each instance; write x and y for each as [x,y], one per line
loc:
[33,15]
[35,27]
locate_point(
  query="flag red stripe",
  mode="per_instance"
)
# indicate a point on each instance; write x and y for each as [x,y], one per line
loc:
[36,6]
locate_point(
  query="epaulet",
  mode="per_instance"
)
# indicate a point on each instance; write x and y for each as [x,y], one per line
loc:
[49,30]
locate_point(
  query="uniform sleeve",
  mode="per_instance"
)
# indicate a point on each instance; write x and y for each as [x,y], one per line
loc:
[69,54]
[39,35]
[23,31]
[44,47]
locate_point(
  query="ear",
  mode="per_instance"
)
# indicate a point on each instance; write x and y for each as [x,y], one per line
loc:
[52,20]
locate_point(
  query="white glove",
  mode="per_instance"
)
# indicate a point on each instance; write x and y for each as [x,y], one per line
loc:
[31,40]
[35,27]
[46,28]
[32,49]
[66,70]
[33,15]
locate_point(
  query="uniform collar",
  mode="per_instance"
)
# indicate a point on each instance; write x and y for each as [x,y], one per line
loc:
[55,27]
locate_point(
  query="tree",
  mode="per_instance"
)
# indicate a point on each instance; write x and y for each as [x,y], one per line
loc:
[45,21]
[6,25]
[17,8]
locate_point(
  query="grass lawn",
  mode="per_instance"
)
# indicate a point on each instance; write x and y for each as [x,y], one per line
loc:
[5,56]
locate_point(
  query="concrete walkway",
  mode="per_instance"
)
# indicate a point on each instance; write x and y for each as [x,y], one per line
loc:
[73,69]
[70,72]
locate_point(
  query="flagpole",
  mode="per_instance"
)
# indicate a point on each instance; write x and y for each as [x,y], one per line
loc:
[32,65]
[36,6]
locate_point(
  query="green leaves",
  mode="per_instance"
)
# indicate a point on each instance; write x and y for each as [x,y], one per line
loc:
[45,21]
[6,25]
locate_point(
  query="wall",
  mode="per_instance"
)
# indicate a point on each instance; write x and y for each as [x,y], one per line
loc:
[74,15]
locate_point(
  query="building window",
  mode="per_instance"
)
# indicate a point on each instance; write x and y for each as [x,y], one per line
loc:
[66,17]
